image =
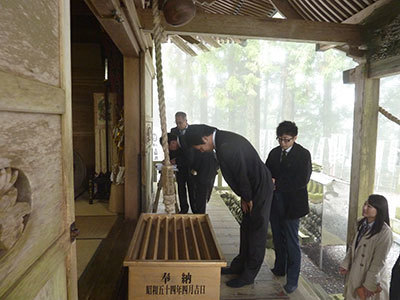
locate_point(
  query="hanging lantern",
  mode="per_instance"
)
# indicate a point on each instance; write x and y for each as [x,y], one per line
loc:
[179,12]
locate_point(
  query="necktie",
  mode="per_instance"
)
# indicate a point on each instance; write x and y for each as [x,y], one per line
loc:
[283,156]
[363,230]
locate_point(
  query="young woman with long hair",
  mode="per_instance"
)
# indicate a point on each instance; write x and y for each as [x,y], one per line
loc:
[365,259]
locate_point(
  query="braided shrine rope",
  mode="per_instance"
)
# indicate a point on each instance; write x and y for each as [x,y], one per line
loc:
[389,115]
[167,172]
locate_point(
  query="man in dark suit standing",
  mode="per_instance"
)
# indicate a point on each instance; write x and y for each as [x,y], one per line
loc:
[183,177]
[204,169]
[290,166]
[249,178]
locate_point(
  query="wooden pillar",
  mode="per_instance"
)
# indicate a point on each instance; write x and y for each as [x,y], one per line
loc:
[132,136]
[67,148]
[365,129]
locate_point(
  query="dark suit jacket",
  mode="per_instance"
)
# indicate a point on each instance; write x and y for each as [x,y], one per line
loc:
[175,131]
[183,156]
[243,169]
[205,165]
[291,178]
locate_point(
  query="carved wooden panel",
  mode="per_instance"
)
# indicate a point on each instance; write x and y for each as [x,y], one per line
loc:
[15,207]
[31,145]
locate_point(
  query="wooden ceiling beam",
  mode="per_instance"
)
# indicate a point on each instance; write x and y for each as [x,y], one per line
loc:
[313,11]
[349,76]
[299,8]
[351,5]
[286,10]
[210,40]
[386,67]
[130,11]
[322,12]
[115,23]
[343,7]
[338,14]
[261,28]
[202,47]
[190,39]
[358,18]
[180,43]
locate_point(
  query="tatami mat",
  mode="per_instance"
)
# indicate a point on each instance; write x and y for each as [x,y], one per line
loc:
[83,208]
[85,250]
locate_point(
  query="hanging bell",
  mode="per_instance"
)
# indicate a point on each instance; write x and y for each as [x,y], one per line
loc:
[179,12]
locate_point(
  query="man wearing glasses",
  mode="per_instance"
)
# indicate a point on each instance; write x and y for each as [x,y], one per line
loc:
[290,166]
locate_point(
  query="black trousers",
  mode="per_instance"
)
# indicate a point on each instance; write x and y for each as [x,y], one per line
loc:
[202,192]
[184,179]
[395,281]
[253,238]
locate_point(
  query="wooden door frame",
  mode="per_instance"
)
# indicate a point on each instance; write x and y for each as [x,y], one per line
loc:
[146,68]
[132,103]
[67,147]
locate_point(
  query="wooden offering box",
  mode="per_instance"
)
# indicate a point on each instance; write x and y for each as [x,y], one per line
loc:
[174,257]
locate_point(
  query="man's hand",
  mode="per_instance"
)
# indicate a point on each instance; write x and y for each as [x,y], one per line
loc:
[173,161]
[246,206]
[273,182]
[342,271]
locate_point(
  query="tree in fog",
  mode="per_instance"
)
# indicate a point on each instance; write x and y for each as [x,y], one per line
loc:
[254,86]
[329,65]
[237,92]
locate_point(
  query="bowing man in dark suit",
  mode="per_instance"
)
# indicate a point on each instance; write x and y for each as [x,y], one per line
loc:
[183,177]
[249,178]
[290,166]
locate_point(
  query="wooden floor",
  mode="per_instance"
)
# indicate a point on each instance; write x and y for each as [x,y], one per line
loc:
[94,222]
[105,278]
[266,285]
[102,243]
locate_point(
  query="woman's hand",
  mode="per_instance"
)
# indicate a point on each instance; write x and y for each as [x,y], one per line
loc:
[342,271]
[367,292]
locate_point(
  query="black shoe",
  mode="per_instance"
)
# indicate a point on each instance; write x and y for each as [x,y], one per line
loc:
[289,289]
[182,212]
[237,283]
[278,274]
[228,271]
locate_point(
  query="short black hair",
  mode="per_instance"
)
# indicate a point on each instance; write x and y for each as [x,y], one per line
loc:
[194,134]
[286,127]
[171,137]
[180,114]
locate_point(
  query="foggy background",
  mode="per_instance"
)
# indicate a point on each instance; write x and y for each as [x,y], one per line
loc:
[249,88]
